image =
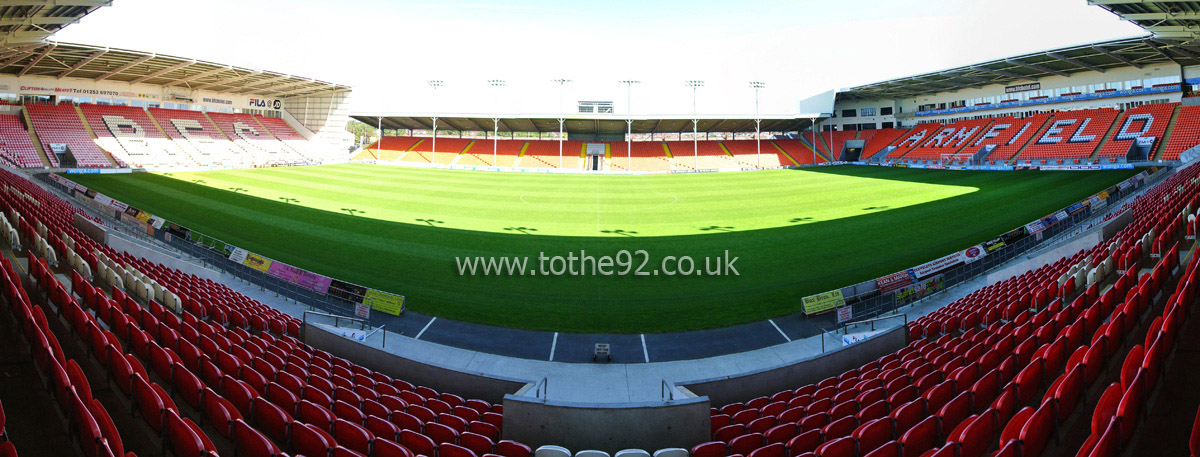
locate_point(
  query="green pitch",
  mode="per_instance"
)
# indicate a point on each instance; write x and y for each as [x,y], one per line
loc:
[793,232]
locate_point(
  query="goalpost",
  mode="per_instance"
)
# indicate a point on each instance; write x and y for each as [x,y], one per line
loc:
[957,158]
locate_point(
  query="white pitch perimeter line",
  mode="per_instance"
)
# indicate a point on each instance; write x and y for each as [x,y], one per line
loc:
[780,330]
[422,332]
[645,353]
[553,345]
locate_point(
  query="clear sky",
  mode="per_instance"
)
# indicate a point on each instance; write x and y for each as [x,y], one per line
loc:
[388,49]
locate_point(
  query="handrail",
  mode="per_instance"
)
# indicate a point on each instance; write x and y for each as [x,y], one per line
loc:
[542,389]
[336,318]
[377,330]
[667,391]
[875,319]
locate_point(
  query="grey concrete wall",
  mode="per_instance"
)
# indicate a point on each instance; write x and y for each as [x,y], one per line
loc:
[470,385]
[731,389]
[610,428]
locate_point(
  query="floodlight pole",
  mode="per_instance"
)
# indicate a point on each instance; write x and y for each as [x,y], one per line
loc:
[757,121]
[695,84]
[629,119]
[495,141]
[629,142]
[816,131]
[379,145]
[562,82]
[435,84]
[496,120]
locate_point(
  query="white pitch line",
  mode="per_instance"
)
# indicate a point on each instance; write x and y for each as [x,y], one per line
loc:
[553,345]
[645,353]
[780,330]
[422,332]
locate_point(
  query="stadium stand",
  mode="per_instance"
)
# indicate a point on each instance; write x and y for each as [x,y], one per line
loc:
[877,140]
[544,154]
[233,363]
[950,139]
[647,156]
[1069,137]
[831,143]
[132,137]
[1143,121]
[60,124]
[913,139]
[253,138]
[286,135]
[505,152]
[700,155]
[799,151]
[1186,133]
[1011,359]
[1009,135]
[393,148]
[199,136]
[745,152]
[15,143]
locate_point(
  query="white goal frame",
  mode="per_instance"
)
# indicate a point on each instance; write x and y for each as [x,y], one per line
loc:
[957,158]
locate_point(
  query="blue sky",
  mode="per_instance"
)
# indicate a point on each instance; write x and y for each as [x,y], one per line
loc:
[388,49]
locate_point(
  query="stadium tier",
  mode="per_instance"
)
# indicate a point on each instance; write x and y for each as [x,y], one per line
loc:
[1069,137]
[913,139]
[230,362]
[646,156]
[799,151]
[700,155]
[287,135]
[1186,133]
[60,125]
[746,153]
[545,154]
[878,140]
[1146,121]
[953,138]
[132,137]
[195,133]
[15,143]
[252,137]
[1009,136]
[1012,359]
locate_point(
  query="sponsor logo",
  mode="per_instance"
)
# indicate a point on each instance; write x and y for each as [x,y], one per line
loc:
[266,104]
[216,101]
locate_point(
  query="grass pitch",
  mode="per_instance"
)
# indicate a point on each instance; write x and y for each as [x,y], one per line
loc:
[794,232]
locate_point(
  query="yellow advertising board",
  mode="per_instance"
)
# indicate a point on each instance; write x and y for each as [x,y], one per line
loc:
[822,302]
[384,302]
[257,262]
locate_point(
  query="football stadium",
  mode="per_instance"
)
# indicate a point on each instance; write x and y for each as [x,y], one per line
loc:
[487,240]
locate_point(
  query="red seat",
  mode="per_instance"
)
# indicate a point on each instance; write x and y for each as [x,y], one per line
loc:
[770,450]
[270,419]
[1037,431]
[420,444]
[889,449]
[381,428]
[351,435]
[315,414]
[841,447]
[507,448]
[387,448]
[307,439]
[955,411]
[251,443]
[745,444]
[710,449]
[149,404]
[441,433]
[1106,408]
[220,413]
[921,437]
[454,450]
[477,443]
[873,434]
[185,438]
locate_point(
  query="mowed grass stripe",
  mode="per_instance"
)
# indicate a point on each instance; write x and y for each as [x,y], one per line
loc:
[796,232]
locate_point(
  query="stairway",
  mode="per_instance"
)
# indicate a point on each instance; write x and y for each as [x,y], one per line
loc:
[1162,142]
[37,144]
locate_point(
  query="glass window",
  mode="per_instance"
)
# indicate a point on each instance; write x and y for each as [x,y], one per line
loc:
[885,111]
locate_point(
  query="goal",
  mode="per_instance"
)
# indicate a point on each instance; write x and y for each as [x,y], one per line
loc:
[957,159]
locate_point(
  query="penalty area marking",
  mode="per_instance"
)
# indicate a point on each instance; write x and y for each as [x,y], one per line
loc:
[423,329]
[535,205]
[779,329]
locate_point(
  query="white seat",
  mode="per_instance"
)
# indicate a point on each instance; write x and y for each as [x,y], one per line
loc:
[550,450]
[632,453]
[591,453]
[672,452]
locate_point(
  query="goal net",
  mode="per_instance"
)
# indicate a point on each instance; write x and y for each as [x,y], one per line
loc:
[957,159]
